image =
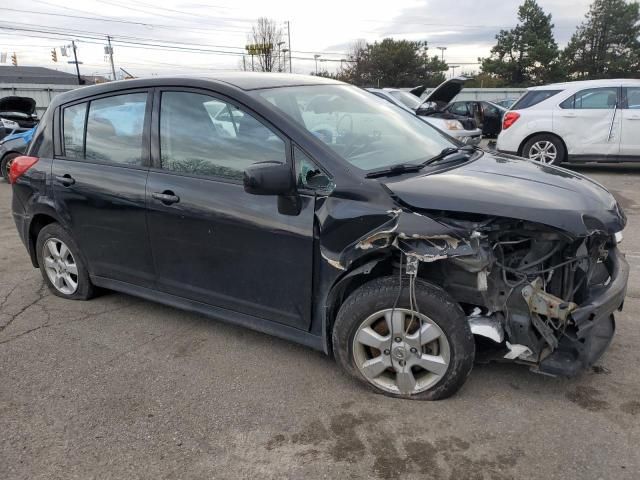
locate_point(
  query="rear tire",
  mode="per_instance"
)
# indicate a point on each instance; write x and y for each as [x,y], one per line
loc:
[544,148]
[61,264]
[5,163]
[430,362]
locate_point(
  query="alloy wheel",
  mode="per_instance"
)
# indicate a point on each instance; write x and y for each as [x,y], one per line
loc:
[543,152]
[60,266]
[401,351]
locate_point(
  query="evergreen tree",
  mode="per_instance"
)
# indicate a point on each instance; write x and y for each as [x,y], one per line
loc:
[527,54]
[392,63]
[606,44]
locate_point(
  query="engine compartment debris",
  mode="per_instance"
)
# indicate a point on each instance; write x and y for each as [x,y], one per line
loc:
[518,281]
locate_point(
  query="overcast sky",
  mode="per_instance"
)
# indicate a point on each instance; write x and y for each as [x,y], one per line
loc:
[466,27]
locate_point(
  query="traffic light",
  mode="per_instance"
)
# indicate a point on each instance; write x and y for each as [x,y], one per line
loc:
[54,55]
[14,59]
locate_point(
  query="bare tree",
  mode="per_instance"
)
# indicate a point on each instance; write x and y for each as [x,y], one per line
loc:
[265,42]
[352,68]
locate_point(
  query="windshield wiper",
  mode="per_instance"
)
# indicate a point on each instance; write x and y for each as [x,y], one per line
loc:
[449,151]
[401,168]
[395,170]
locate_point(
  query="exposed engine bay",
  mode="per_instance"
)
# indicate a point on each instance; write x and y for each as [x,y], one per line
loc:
[520,283]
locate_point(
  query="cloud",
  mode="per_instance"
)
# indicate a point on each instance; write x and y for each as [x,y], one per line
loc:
[467,28]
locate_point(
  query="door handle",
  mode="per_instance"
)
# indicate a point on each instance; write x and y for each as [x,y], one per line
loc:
[167,197]
[66,179]
[634,117]
[568,114]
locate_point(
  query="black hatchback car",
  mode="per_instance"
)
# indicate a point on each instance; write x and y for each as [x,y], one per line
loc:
[309,209]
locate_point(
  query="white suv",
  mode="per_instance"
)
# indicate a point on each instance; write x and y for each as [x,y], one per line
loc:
[595,120]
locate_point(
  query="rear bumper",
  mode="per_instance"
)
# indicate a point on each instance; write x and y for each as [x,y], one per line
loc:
[594,324]
[22,225]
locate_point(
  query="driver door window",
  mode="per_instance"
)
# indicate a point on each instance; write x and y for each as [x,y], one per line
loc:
[205,136]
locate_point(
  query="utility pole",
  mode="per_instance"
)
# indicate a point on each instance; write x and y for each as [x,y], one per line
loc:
[289,40]
[113,69]
[75,60]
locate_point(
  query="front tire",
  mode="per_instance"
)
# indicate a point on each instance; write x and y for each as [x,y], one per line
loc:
[398,353]
[544,148]
[5,164]
[61,264]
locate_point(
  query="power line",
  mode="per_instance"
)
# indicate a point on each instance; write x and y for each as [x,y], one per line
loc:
[137,40]
[126,22]
[89,37]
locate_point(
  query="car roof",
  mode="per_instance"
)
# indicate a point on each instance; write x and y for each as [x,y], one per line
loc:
[258,80]
[588,84]
[241,80]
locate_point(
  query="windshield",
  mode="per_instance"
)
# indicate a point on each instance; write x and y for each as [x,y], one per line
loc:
[367,131]
[407,99]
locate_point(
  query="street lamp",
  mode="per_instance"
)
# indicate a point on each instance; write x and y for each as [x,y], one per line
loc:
[442,49]
[317,56]
[453,70]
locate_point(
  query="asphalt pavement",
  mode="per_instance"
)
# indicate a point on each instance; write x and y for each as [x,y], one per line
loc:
[123,388]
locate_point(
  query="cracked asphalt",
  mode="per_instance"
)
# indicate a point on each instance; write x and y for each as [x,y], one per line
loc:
[122,388]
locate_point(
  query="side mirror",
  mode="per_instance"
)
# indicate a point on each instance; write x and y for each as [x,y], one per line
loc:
[268,178]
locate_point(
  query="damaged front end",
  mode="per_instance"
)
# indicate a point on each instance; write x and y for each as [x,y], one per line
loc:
[545,296]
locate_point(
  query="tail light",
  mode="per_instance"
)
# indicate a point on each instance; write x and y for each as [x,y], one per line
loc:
[509,119]
[19,166]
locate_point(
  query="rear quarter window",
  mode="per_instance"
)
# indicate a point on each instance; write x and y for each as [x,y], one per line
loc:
[73,130]
[533,97]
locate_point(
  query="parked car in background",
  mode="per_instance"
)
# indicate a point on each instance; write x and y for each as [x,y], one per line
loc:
[13,146]
[17,114]
[432,109]
[586,121]
[487,115]
[505,103]
[324,216]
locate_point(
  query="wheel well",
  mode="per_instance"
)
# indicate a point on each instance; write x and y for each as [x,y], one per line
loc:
[523,143]
[385,267]
[39,221]
[346,285]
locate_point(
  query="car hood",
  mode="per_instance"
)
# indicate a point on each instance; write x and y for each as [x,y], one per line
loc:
[446,91]
[515,188]
[24,105]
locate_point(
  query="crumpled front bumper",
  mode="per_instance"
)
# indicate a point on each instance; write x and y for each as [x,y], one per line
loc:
[584,344]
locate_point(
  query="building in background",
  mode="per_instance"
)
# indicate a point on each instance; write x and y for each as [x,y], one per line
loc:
[39,83]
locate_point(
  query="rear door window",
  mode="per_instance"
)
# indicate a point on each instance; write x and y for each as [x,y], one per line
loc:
[115,129]
[533,97]
[73,130]
[592,99]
